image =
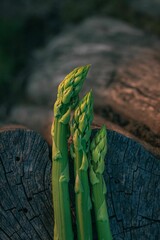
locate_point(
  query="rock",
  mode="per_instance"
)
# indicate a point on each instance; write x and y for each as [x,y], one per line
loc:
[124,75]
[149,7]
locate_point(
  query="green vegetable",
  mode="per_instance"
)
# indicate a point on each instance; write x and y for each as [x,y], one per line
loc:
[81,131]
[67,99]
[98,151]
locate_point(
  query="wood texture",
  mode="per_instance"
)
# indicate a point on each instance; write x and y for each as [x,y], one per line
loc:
[132,100]
[133,181]
[25,203]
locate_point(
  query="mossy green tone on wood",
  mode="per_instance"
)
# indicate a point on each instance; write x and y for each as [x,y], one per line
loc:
[98,151]
[81,131]
[67,98]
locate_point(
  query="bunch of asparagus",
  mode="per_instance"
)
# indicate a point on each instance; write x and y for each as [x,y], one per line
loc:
[87,157]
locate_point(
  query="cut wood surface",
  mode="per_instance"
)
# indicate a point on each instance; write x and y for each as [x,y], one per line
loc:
[132,175]
[25,203]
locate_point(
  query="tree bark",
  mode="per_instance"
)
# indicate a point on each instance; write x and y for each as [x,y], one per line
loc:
[132,175]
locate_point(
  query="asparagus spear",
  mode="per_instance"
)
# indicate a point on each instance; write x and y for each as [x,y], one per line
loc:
[98,149]
[81,131]
[67,99]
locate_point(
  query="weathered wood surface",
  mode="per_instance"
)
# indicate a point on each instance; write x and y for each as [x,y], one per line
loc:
[133,181]
[25,203]
[124,77]
[132,99]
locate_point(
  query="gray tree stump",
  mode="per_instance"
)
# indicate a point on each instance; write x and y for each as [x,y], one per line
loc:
[25,204]
[132,175]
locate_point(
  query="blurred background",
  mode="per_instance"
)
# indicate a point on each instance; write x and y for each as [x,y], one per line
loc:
[41,41]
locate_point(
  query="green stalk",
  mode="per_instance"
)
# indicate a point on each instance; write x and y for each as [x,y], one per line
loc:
[98,151]
[81,132]
[67,99]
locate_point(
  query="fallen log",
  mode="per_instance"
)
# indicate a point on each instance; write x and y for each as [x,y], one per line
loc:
[132,175]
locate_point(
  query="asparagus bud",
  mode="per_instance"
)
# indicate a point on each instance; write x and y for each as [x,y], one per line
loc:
[81,132]
[67,98]
[98,151]
[68,90]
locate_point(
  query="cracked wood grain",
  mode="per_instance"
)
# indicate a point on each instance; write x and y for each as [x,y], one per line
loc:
[132,175]
[25,190]
[133,181]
